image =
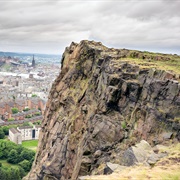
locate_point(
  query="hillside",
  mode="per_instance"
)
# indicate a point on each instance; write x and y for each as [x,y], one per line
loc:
[104,101]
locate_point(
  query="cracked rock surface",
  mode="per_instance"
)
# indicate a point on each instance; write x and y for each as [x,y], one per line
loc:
[99,106]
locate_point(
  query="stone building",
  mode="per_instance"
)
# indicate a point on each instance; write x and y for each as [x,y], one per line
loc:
[15,136]
[24,133]
[29,132]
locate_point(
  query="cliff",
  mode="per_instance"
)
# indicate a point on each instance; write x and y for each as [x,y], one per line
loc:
[104,101]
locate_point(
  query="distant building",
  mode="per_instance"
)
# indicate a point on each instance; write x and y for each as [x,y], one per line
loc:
[33,62]
[24,133]
[31,76]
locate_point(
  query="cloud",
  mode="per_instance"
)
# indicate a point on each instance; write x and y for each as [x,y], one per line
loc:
[49,26]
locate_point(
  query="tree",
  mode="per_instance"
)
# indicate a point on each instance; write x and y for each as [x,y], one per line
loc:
[26,154]
[14,110]
[2,174]
[2,135]
[14,174]
[21,172]
[25,164]
[12,156]
[6,130]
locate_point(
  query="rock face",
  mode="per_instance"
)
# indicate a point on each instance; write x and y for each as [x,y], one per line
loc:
[99,105]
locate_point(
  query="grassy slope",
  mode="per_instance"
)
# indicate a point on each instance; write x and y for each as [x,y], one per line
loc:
[165,62]
[173,66]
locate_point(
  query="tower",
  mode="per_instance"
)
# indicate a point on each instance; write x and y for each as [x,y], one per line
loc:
[33,62]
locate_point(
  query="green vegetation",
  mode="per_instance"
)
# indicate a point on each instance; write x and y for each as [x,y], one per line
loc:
[6,164]
[37,114]
[6,130]
[14,110]
[25,164]
[34,95]
[177,119]
[26,109]
[159,61]
[2,134]
[123,124]
[29,116]
[15,160]
[37,122]
[32,144]
[11,119]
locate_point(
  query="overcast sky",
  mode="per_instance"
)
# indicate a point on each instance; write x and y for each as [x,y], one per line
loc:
[48,26]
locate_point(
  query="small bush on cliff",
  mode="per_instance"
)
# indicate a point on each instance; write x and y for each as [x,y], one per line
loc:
[123,124]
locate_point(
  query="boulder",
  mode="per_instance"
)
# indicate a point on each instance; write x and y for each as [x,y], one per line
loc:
[140,153]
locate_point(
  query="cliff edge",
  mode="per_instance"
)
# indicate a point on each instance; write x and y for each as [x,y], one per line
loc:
[104,101]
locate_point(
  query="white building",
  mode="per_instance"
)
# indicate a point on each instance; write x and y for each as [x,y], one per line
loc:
[15,136]
[24,133]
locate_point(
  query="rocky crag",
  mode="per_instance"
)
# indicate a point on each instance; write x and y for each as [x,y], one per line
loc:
[101,104]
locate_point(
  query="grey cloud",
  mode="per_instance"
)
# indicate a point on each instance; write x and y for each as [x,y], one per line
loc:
[52,25]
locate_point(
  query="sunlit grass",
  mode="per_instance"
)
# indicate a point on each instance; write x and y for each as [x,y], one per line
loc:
[32,144]
[169,65]
[6,164]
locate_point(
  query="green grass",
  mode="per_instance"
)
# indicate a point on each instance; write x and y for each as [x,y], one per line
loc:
[32,144]
[6,164]
[170,65]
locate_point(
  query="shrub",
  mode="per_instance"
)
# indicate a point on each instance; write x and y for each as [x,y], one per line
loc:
[6,130]
[34,95]
[2,135]
[26,109]
[25,164]
[29,116]
[14,110]
[123,124]
[37,113]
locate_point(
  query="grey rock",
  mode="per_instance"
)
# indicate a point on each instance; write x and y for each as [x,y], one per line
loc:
[140,153]
[115,167]
[97,153]
[167,135]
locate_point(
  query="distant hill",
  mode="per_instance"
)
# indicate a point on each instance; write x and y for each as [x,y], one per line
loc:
[27,57]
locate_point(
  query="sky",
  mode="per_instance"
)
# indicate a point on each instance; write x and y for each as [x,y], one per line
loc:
[48,26]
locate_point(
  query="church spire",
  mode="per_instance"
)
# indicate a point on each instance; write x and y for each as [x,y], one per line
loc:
[33,62]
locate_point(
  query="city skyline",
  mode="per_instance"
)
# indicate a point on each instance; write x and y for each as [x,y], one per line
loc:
[47,27]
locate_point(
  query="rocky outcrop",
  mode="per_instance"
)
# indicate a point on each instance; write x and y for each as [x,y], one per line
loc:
[99,106]
[141,153]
